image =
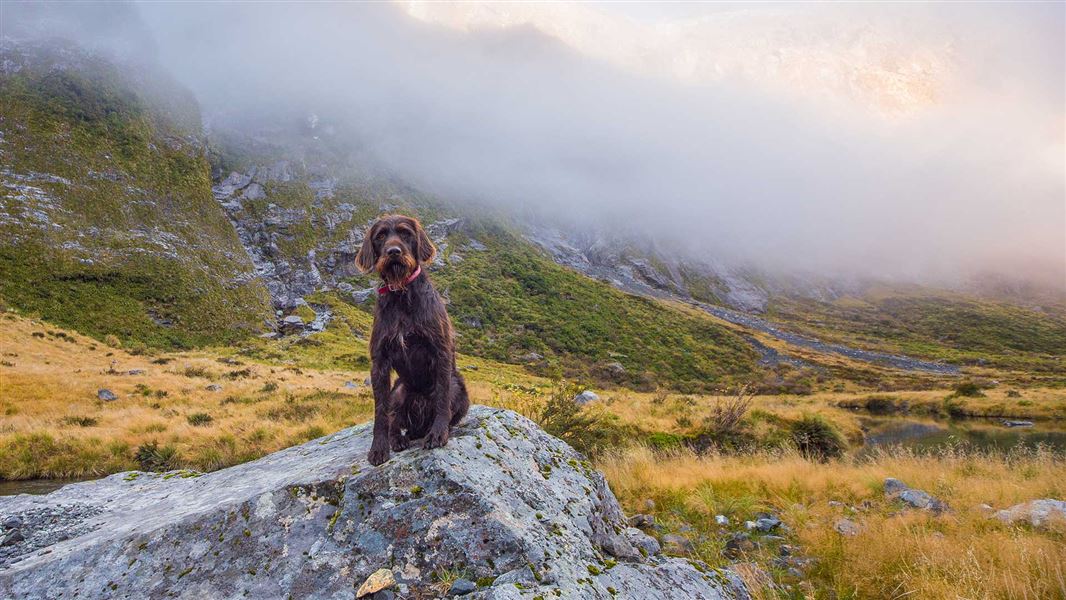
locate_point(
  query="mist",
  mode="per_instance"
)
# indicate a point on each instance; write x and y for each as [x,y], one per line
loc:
[923,143]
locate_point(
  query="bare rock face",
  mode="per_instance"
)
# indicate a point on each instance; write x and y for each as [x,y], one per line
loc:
[504,505]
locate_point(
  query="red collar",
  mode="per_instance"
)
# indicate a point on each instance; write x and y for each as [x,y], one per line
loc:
[385,289]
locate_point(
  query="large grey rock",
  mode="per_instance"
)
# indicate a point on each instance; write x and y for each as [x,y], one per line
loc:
[1038,513]
[502,500]
[585,397]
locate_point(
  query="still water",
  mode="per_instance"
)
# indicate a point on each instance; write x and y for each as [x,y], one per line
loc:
[982,434]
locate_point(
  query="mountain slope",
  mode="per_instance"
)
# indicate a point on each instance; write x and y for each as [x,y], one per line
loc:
[107,221]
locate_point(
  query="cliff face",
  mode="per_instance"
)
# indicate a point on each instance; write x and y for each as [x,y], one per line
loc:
[503,505]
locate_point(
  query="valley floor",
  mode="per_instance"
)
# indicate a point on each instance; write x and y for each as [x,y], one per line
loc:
[809,460]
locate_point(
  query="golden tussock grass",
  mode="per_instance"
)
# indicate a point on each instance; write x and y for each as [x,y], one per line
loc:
[52,425]
[897,553]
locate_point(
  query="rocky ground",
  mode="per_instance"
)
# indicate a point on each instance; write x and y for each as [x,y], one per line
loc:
[504,511]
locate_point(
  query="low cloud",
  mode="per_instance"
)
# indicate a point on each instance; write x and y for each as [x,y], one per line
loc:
[894,141]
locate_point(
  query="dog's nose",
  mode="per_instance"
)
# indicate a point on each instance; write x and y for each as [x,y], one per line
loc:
[393,250]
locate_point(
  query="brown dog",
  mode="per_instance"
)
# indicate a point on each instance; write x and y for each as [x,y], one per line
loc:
[413,335]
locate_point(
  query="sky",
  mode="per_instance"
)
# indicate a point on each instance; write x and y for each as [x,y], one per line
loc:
[891,140]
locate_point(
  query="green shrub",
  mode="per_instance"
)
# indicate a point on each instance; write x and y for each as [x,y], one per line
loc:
[587,431]
[969,389]
[153,457]
[817,439]
[879,404]
[199,419]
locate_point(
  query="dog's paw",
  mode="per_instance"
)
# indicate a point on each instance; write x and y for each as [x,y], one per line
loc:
[377,456]
[436,439]
[400,443]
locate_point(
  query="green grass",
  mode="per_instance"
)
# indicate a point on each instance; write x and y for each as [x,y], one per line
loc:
[527,303]
[138,247]
[939,325]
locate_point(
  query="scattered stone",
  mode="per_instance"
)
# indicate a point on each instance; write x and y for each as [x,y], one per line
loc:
[677,544]
[721,520]
[11,522]
[12,537]
[531,357]
[378,580]
[585,397]
[767,524]
[846,527]
[894,486]
[368,382]
[462,587]
[739,544]
[1038,513]
[136,372]
[350,385]
[214,387]
[1009,423]
[649,504]
[106,395]
[642,521]
[896,489]
[644,543]
[292,324]
[616,368]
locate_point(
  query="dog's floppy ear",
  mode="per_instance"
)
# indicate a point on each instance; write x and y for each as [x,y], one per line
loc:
[367,257]
[425,250]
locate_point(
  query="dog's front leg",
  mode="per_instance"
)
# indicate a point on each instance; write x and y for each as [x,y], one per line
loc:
[380,378]
[442,404]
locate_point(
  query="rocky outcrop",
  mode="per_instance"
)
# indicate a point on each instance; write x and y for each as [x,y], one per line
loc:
[504,506]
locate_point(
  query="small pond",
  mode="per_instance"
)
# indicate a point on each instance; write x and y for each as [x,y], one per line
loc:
[984,434]
[33,486]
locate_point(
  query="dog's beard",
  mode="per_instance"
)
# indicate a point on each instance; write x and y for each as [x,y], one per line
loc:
[394,271]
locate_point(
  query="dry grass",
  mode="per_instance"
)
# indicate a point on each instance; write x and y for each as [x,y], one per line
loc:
[962,554]
[52,425]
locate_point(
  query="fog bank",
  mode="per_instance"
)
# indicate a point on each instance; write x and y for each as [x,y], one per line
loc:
[915,142]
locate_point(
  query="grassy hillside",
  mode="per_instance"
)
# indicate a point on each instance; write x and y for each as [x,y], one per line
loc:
[940,325]
[509,300]
[107,223]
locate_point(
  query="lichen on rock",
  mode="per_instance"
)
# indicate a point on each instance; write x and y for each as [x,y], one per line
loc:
[316,521]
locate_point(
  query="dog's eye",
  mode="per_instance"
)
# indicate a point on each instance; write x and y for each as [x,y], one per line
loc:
[380,235]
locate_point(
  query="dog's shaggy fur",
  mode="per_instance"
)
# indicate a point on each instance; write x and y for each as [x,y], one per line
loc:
[412,335]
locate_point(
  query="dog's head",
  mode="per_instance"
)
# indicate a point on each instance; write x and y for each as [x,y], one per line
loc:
[394,246]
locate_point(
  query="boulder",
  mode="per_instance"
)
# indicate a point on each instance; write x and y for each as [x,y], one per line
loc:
[585,397]
[504,503]
[462,587]
[846,527]
[896,489]
[292,324]
[106,395]
[1038,513]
